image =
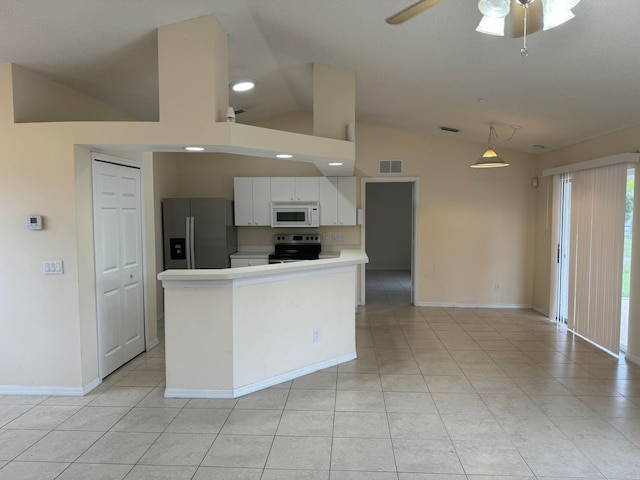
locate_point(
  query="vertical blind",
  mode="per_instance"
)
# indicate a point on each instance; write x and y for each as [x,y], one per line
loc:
[598,198]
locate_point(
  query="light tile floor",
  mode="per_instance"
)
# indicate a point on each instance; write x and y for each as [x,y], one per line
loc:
[435,393]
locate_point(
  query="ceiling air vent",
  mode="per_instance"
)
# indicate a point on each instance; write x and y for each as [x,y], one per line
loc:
[389,166]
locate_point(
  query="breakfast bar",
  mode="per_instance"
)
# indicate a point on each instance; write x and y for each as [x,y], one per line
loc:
[230,332]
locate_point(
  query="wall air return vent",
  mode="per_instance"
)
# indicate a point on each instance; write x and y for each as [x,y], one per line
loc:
[389,166]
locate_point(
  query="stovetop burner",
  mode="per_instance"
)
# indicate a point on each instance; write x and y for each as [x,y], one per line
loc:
[293,247]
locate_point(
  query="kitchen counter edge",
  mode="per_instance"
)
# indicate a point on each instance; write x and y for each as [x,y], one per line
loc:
[347,257]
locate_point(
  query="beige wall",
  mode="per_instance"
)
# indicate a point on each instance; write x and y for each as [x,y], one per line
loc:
[37,99]
[475,227]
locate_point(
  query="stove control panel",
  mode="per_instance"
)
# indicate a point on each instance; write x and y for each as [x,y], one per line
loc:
[297,238]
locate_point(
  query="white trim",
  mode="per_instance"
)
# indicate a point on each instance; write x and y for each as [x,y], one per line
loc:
[415,251]
[50,391]
[521,306]
[632,358]
[541,311]
[261,385]
[153,343]
[595,163]
[91,385]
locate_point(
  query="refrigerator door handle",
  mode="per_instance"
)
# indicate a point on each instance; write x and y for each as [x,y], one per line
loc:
[192,242]
[187,230]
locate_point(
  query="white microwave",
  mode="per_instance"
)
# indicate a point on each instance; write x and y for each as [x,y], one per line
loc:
[295,214]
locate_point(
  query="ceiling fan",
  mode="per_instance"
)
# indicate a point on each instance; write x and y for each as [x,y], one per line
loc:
[529,16]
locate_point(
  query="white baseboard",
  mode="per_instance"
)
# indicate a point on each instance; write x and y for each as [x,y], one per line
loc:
[261,385]
[153,343]
[541,311]
[632,358]
[474,305]
[91,385]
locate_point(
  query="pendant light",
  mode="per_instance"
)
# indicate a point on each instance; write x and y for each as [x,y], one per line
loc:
[490,158]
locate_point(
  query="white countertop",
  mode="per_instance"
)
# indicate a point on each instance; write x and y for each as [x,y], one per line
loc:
[251,254]
[346,257]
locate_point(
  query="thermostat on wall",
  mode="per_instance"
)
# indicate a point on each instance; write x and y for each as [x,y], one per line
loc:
[34,222]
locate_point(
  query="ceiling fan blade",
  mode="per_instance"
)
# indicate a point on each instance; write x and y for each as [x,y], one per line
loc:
[411,11]
[534,18]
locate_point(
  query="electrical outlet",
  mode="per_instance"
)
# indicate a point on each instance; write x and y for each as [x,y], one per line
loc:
[316,335]
[497,286]
[338,238]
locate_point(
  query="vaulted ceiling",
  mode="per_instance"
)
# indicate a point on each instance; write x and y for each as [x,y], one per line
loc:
[580,80]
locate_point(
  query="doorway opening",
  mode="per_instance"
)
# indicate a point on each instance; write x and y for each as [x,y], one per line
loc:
[389,238]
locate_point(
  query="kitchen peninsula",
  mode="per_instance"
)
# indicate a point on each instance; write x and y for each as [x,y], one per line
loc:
[230,332]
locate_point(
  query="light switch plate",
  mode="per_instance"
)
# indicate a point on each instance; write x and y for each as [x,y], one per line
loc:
[52,267]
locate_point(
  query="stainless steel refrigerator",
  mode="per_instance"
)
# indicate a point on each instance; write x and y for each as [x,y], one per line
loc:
[198,232]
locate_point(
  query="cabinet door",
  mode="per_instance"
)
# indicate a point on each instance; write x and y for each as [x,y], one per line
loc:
[282,189]
[306,189]
[243,200]
[328,190]
[346,200]
[262,201]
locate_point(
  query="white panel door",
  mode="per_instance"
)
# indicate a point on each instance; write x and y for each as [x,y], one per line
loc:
[119,283]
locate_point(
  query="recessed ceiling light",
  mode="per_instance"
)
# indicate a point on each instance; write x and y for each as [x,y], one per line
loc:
[194,149]
[242,85]
[335,164]
[284,155]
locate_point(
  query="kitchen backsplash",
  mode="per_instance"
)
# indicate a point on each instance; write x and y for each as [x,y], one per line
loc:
[330,236]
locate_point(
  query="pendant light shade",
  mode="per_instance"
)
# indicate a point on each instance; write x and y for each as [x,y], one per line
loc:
[490,158]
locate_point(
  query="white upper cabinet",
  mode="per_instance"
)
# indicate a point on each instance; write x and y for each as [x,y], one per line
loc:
[253,197]
[294,189]
[337,200]
[252,201]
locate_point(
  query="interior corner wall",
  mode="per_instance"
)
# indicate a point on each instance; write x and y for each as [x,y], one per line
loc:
[165,185]
[86,264]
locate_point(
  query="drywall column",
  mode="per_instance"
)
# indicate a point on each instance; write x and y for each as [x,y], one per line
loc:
[633,341]
[334,101]
[6,94]
[192,71]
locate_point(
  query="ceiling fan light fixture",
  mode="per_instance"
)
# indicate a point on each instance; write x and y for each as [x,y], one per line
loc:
[560,6]
[494,8]
[553,19]
[491,26]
